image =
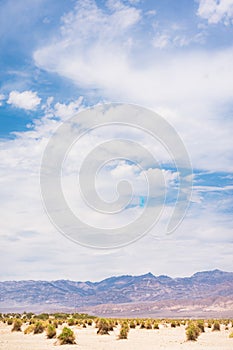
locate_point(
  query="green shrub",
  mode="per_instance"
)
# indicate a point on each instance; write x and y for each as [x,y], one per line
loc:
[216,326]
[148,325]
[71,322]
[201,325]
[43,317]
[123,333]
[231,335]
[173,324]
[17,326]
[192,331]
[132,324]
[66,336]
[29,329]
[51,331]
[156,325]
[103,326]
[10,321]
[38,328]
[89,322]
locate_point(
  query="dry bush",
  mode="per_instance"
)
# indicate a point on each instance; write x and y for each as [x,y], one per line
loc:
[10,321]
[192,331]
[17,326]
[103,326]
[132,324]
[29,329]
[123,333]
[201,325]
[148,324]
[39,328]
[216,326]
[51,331]
[71,321]
[66,336]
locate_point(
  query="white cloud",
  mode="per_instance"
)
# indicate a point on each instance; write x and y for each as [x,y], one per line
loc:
[215,11]
[97,50]
[27,100]
[161,41]
[63,110]
[28,233]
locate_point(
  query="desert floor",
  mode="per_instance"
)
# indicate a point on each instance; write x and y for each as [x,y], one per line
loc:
[138,339]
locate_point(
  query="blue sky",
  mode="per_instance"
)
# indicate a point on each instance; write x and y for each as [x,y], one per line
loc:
[174,57]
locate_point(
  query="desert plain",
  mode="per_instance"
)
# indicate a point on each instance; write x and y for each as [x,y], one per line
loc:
[165,338]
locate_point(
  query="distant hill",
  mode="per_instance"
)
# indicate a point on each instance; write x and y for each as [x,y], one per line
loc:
[205,293]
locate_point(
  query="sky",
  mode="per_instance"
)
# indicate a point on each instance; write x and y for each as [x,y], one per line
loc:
[59,58]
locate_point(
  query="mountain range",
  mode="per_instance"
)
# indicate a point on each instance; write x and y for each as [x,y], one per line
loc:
[207,293]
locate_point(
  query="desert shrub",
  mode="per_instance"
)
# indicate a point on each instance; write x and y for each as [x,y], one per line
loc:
[66,336]
[38,328]
[60,316]
[124,332]
[32,321]
[201,325]
[71,321]
[125,325]
[29,315]
[10,321]
[103,326]
[29,329]
[142,326]
[132,324]
[137,322]
[111,325]
[192,331]
[55,323]
[231,335]
[51,331]
[156,325]
[89,322]
[148,325]
[173,324]
[43,317]
[17,326]
[216,326]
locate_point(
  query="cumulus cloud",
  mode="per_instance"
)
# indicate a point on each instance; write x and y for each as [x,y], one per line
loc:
[27,100]
[215,11]
[63,110]
[32,238]
[97,49]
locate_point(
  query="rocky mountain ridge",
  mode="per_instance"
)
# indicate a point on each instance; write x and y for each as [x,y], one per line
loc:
[143,290]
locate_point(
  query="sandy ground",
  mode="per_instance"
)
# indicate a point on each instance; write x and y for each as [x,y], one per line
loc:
[138,339]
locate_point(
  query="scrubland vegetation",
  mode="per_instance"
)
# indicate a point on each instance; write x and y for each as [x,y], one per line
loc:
[62,326]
